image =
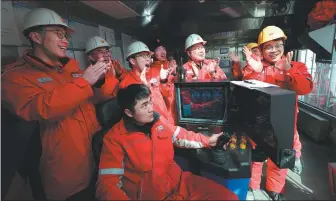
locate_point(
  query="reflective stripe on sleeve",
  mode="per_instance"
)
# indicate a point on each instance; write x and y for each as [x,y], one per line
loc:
[113,171]
[176,132]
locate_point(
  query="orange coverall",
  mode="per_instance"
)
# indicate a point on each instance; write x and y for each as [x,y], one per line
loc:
[203,74]
[236,71]
[297,79]
[60,102]
[169,88]
[135,165]
[158,90]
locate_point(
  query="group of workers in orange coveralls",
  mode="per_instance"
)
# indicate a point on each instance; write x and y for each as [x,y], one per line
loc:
[137,159]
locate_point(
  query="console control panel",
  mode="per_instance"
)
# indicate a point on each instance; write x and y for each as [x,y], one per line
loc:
[231,158]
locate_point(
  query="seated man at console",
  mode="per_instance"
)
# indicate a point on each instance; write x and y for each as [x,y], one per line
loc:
[137,158]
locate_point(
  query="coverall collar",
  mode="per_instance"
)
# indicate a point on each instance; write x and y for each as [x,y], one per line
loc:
[157,63]
[40,64]
[199,66]
[131,126]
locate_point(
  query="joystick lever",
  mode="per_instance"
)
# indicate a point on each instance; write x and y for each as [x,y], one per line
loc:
[222,140]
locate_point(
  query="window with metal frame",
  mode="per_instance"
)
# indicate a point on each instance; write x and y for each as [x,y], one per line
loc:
[323,95]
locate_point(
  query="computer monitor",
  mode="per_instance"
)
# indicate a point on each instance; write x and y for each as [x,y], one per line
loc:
[202,102]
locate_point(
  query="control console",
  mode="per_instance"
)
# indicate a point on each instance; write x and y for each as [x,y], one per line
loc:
[231,158]
[232,162]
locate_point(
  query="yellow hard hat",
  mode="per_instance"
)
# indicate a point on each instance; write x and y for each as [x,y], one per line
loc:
[270,33]
[251,45]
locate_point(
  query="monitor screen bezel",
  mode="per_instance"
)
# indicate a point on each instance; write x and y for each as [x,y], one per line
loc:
[225,85]
[224,50]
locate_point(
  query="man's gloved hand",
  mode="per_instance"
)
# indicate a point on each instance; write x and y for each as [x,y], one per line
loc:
[164,73]
[254,62]
[223,141]
[285,62]
[214,138]
[298,167]
[95,72]
[116,67]
[143,76]
[110,67]
[210,65]
[172,66]
[233,57]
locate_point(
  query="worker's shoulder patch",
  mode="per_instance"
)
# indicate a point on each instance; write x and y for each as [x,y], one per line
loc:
[76,74]
[153,81]
[44,79]
[159,127]
[161,134]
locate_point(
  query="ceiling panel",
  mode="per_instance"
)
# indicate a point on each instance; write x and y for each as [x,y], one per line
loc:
[115,9]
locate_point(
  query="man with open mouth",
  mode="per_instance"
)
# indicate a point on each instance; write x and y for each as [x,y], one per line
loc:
[164,70]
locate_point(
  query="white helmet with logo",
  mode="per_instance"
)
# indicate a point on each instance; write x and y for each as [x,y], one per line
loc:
[95,42]
[192,40]
[137,47]
[44,16]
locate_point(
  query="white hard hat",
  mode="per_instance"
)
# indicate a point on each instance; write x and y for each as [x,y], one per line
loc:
[95,42]
[192,40]
[137,47]
[43,16]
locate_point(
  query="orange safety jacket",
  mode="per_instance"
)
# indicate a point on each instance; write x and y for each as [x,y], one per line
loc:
[168,88]
[57,97]
[203,74]
[236,71]
[139,165]
[297,78]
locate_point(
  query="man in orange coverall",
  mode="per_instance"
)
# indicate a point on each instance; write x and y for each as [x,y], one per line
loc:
[136,161]
[139,57]
[97,49]
[236,68]
[277,68]
[161,61]
[45,85]
[199,68]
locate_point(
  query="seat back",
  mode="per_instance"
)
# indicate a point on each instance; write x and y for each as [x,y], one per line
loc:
[22,147]
[108,114]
